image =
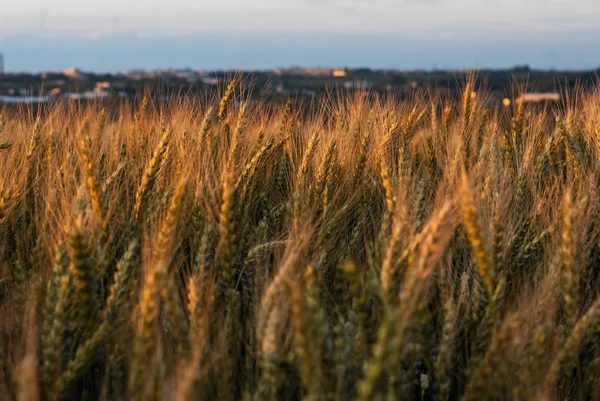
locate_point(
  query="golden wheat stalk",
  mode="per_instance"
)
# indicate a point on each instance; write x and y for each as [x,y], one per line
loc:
[85,152]
[226,99]
[150,173]
[472,222]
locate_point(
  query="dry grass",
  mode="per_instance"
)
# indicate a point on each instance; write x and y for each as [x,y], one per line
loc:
[365,248]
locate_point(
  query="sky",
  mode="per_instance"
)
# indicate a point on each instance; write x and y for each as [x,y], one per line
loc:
[119,35]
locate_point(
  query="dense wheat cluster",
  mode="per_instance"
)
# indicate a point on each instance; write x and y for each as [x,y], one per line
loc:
[359,248]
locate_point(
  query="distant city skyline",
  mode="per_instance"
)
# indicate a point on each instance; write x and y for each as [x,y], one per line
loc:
[119,35]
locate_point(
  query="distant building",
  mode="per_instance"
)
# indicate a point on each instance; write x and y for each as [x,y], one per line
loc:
[315,72]
[213,81]
[539,97]
[310,71]
[73,73]
[137,75]
[188,75]
[102,87]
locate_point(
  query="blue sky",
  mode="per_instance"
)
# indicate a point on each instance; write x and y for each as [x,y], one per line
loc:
[117,35]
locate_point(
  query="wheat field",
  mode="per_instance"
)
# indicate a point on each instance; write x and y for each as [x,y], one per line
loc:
[357,248]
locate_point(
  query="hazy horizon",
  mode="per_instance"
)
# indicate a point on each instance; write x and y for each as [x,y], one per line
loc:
[255,51]
[119,35]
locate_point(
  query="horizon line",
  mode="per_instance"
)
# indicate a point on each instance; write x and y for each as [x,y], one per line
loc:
[516,68]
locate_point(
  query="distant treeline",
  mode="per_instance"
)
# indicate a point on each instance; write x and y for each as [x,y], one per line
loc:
[295,82]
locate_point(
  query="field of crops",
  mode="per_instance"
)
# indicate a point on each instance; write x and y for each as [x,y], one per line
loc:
[356,248]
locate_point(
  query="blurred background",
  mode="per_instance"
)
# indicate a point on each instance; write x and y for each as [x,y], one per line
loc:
[194,40]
